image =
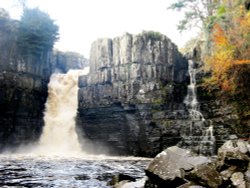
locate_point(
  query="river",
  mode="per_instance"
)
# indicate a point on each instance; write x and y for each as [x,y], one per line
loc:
[23,170]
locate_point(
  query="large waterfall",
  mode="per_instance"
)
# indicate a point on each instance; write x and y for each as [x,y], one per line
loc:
[59,135]
[198,133]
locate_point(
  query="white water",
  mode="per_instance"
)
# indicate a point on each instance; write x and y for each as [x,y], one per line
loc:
[59,135]
[207,141]
[191,98]
[58,161]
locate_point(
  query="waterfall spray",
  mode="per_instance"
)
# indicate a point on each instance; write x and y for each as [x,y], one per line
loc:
[59,135]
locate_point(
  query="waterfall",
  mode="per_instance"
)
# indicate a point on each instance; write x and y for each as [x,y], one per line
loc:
[199,135]
[59,135]
[191,98]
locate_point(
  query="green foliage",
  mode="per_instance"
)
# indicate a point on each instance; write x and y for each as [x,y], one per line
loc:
[37,33]
[196,12]
[221,10]
[153,35]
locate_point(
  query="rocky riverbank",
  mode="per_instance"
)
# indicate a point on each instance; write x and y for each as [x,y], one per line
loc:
[176,167]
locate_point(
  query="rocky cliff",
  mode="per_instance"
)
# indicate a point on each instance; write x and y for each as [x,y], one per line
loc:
[63,61]
[133,97]
[23,85]
[23,89]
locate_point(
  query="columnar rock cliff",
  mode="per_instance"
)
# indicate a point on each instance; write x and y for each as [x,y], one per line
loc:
[23,85]
[134,93]
[63,61]
[23,92]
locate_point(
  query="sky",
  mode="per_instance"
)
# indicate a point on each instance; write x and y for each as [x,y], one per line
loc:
[83,21]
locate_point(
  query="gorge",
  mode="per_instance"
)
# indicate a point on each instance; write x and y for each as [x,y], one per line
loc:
[140,97]
[134,94]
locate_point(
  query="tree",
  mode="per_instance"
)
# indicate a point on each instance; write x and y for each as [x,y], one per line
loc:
[231,48]
[196,12]
[23,3]
[37,32]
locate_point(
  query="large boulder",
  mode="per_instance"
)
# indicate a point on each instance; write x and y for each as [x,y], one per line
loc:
[233,162]
[205,175]
[169,167]
[234,153]
[176,167]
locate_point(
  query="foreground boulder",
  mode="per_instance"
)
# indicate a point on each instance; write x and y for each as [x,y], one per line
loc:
[169,167]
[176,167]
[233,163]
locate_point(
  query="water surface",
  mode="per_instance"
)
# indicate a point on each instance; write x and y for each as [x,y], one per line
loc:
[56,171]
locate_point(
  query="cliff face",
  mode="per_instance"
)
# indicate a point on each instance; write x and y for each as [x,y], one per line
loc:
[63,61]
[120,102]
[23,85]
[23,89]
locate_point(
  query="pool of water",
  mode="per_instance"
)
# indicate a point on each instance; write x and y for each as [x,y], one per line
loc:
[58,171]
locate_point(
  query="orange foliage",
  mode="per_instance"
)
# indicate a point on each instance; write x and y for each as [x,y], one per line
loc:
[219,35]
[231,46]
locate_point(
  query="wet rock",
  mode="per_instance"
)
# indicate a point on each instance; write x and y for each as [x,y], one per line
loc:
[238,179]
[127,184]
[121,178]
[233,153]
[226,174]
[205,175]
[82,177]
[169,167]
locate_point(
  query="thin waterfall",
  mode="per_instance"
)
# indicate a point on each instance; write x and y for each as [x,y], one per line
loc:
[199,136]
[59,135]
[191,98]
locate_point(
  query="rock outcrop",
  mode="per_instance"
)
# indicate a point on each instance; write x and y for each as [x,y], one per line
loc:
[64,61]
[134,94]
[175,167]
[168,167]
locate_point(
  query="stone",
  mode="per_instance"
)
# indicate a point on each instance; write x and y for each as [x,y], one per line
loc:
[120,178]
[233,153]
[205,175]
[126,184]
[226,174]
[176,167]
[169,167]
[237,178]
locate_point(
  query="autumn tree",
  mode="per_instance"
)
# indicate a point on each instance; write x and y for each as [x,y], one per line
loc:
[231,47]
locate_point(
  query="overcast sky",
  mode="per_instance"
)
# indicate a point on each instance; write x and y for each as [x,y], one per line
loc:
[83,21]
